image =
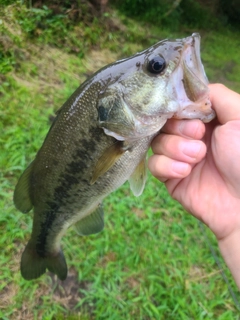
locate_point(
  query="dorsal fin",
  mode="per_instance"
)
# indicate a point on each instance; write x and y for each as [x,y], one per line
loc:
[21,195]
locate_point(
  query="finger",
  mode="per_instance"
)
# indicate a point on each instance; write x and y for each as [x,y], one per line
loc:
[179,148]
[225,102]
[164,168]
[193,129]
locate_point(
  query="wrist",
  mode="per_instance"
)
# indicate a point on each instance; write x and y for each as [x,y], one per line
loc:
[230,251]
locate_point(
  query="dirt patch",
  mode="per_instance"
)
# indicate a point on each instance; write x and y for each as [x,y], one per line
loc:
[67,292]
[6,296]
[198,274]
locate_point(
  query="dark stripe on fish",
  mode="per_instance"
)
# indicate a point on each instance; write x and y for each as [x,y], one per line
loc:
[66,182]
[45,227]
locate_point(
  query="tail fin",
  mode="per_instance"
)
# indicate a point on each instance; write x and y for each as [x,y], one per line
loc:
[33,265]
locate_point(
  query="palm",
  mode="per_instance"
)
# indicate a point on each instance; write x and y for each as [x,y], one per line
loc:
[208,192]
[206,184]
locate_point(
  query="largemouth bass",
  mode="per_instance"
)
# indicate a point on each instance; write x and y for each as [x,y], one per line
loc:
[100,139]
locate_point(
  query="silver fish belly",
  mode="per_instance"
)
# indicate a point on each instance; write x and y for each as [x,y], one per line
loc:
[99,140]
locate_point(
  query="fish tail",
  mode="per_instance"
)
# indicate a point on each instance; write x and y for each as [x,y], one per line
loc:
[34,265]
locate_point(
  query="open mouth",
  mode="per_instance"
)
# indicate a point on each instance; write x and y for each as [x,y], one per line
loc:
[194,78]
[192,83]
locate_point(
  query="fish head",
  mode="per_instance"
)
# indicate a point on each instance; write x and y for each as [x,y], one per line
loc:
[164,81]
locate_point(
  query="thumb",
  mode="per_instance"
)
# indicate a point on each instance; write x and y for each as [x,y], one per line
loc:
[225,102]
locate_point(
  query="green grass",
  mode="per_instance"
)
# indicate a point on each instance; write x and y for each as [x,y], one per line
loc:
[152,260]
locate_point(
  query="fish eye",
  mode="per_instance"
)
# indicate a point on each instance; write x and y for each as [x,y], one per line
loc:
[156,65]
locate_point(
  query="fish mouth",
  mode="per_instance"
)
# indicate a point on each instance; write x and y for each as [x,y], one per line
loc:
[192,89]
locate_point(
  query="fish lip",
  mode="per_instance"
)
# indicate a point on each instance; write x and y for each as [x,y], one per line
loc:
[191,83]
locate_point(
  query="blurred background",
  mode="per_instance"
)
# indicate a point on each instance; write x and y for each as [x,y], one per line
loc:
[153,260]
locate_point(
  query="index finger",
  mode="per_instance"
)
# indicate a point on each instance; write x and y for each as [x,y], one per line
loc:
[193,129]
[225,102]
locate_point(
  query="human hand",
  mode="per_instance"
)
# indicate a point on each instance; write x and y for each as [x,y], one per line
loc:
[200,166]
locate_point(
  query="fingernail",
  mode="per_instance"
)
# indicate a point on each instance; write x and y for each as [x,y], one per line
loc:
[192,148]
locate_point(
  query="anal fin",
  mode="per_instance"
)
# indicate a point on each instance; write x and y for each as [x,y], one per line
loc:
[138,178]
[92,223]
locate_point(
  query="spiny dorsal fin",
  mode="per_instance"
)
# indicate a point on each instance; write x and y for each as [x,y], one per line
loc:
[21,195]
[107,160]
[92,223]
[138,178]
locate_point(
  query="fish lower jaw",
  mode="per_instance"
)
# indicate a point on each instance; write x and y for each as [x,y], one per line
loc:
[196,110]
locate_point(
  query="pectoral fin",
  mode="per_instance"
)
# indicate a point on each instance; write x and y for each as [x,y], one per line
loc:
[92,223]
[107,160]
[21,195]
[138,178]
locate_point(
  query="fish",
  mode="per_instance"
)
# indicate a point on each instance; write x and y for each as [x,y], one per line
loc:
[100,139]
